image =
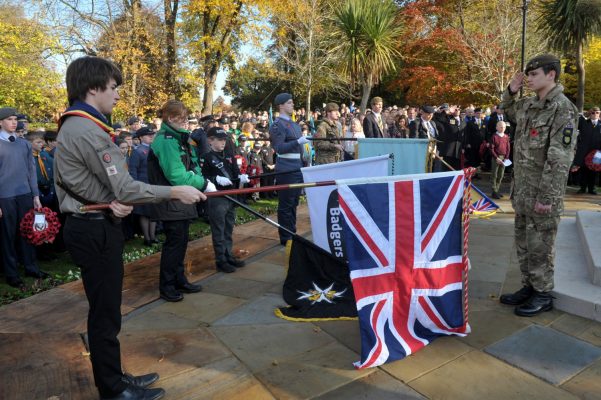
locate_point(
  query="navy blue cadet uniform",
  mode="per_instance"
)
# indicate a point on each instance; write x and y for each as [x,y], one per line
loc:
[284,135]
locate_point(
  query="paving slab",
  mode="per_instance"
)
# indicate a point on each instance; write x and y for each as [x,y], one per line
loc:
[225,379]
[257,311]
[346,332]
[170,352]
[490,326]
[586,384]
[312,372]
[484,290]
[158,319]
[378,385]
[258,346]
[233,286]
[427,359]
[572,324]
[263,272]
[205,307]
[276,256]
[592,334]
[477,376]
[546,353]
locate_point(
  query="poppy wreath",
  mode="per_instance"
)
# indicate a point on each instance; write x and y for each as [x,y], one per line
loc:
[253,171]
[588,161]
[46,234]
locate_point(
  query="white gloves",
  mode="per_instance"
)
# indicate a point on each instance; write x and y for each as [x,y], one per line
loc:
[244,179]
[223,181]
[302,140]
[210,187]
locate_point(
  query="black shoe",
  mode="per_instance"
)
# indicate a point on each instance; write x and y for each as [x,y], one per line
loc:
[517,298]
[500,195]
[189,288]
[538,303]
[236,262]
[155,241]
[593,192]
[172,295]
[137,393]
[15,282]
[141,381]
[581,191]
[148,243]
[225,267]
[37,274]
[495,195]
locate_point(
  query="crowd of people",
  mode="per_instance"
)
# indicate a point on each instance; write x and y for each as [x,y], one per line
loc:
[169,166]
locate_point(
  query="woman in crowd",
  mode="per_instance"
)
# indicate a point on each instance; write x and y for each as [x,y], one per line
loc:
[356,132]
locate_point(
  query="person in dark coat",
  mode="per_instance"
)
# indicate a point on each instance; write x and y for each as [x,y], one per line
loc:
[453,138]
[138,169]
[374,125]
[589,139]
[474,136]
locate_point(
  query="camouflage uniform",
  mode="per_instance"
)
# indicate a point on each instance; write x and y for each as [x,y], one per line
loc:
[325,152]
[543,151]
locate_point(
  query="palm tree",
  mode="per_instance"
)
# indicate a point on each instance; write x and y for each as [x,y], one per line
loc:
[368,34]
[569,25]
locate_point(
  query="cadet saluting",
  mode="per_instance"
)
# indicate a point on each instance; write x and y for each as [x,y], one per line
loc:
[543,151]
[89,168]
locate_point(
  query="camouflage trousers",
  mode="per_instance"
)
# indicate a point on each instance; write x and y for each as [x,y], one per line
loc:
[535,243]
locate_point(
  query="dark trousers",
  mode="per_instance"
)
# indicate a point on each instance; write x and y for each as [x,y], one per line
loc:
[13,211]
[222,217]
[96,246]
[173,254]
[587,179]
[287,203]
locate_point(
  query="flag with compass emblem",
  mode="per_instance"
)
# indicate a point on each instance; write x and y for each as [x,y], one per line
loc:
[317,286]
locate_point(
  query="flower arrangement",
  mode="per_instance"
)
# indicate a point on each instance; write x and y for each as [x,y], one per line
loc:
[40,233]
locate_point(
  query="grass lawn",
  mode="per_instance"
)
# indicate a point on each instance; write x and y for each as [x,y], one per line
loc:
[63,270]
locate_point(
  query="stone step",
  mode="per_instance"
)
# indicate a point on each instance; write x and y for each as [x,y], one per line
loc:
[589,231]
[574,292]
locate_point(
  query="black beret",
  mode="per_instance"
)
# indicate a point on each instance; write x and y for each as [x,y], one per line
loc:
[224,120]
[217,132]
[22,117]
[541,61]
[428,109]
[281,98]
[6,112]
[144,131]
[20,126]
[117,126]
[243,138]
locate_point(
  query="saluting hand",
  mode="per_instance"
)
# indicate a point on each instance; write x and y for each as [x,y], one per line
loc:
[120,210]
[516,82]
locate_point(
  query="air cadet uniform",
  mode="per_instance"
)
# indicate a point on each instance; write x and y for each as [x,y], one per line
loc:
[545,137]
[326,151]
[89,168]
[284,134]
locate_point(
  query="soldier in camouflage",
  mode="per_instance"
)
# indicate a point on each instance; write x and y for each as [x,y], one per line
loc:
[543,151]
[328,151]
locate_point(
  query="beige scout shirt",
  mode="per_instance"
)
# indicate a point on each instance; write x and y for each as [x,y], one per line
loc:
[544,143]
[92,166]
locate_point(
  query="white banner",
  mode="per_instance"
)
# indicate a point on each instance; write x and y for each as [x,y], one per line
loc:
[323,201]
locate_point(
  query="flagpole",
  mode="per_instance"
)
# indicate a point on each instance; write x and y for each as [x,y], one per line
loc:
[220,193]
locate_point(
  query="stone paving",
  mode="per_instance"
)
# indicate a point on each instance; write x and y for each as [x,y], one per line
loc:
[226,342]
[238,349]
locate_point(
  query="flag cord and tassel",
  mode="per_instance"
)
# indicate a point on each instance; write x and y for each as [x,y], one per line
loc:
[467,201]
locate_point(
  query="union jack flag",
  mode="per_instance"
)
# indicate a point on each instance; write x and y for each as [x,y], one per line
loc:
[481,204]
[404,246]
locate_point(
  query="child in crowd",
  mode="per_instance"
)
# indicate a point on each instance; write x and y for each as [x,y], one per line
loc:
[220,167]
[50,139]
[499,150]
[255,165]
[45,174]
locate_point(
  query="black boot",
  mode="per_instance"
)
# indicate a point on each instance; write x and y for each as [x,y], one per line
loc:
[236,262]
[225,267]
[538,303]
[517,298]
[495,195]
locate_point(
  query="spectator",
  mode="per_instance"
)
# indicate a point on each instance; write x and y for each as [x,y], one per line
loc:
[499,150]
[374,125]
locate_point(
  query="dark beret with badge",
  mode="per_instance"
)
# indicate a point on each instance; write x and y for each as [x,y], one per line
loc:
[428,109]
[224,120]
[144,131]
[6,112]
[217,132]
[282,98]
[541,61]
[22,118]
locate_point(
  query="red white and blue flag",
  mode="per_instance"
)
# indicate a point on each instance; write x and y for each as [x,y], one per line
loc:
[404,244]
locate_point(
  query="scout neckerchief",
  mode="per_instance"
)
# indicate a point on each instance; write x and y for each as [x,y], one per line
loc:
[84,110]
[37,156]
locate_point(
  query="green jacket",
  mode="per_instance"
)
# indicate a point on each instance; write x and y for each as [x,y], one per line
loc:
[176,159]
